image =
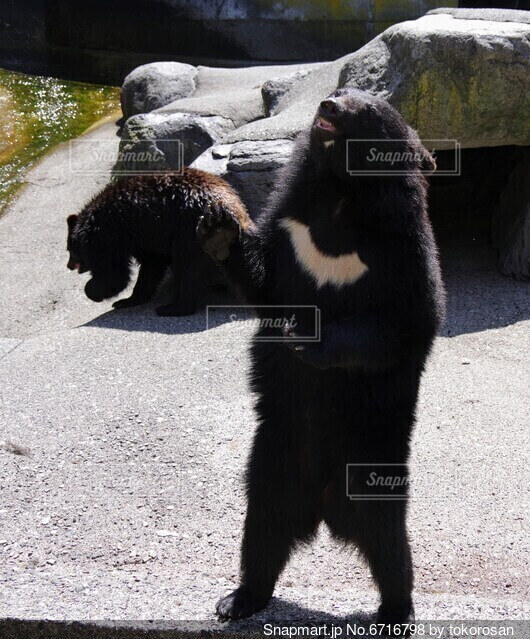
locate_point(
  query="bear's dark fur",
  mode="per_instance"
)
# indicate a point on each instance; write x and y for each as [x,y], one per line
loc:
[150,219]
[360,248]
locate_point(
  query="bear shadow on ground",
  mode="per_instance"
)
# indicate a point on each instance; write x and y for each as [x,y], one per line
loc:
[215,308]
[279,613]
[282,613]
[479,298]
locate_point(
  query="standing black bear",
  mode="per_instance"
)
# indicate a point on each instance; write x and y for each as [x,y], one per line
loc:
[358,245]
[151,219]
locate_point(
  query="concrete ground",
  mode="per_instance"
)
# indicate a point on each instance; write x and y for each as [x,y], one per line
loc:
[124,438]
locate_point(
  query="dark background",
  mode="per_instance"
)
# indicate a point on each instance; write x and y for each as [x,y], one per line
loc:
[102,40]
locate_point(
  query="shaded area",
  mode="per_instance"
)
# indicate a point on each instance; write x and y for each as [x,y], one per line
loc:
[277,613]
[211,313]
[485,205]
[479,298]
[462,207]
[103,41]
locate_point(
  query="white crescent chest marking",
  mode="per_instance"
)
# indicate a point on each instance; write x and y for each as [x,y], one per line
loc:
[324,269]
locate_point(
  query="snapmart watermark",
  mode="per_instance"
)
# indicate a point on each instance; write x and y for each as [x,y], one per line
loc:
[366,481]
[270,323]
[429,629]
[376,157]
[437,629]
[132,157]
[398,481]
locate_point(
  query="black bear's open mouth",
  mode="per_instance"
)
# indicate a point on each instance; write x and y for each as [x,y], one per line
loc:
[74,265]
[325,125]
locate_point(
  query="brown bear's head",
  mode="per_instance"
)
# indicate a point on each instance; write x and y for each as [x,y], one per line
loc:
[90,251]
[76,262]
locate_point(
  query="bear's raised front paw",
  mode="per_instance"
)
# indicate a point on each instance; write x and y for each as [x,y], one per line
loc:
[217,231]
[240,604]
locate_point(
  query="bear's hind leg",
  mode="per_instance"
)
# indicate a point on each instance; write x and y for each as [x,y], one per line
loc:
[377,527]
[151,272]
[382,538]
[281,513]
[184,267]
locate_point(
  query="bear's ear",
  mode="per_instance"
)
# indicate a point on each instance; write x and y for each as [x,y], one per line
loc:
[71,220]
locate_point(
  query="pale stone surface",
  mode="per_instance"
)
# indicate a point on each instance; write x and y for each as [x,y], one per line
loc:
[450,78]
[153,85]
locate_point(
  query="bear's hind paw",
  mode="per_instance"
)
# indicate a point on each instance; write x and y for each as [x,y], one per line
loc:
[398,617]
[240,604]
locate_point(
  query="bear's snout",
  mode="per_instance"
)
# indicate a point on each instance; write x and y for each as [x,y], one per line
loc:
[330,108]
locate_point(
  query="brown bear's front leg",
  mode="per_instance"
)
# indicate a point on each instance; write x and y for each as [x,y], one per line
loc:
[151,272]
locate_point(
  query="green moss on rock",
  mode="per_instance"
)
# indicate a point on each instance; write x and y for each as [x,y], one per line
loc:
[36,113]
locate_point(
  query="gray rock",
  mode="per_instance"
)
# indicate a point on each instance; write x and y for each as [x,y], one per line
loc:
[154,85]
[491,15]
[212,80]
[155,141]
[235,94]
[237,105]
[257,156]
[224,100]
[250,166]
[273,91]
[451,78]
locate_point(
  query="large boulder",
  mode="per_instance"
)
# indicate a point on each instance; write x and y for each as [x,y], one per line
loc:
[154,85]
[156,141]
[457,75]
[224,100]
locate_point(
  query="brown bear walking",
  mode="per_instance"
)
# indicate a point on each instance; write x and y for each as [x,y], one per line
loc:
[150,219]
